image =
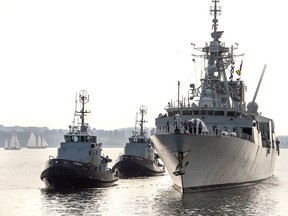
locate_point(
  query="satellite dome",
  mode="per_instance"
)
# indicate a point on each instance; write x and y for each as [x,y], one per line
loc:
[208,92]
[205,102]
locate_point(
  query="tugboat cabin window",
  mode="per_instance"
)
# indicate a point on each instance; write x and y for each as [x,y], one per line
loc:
[68,138]
[140,140]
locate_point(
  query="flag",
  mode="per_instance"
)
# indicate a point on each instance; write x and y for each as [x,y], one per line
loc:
[240,69]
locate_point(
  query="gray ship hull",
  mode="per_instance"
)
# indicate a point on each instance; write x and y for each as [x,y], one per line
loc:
[203,162]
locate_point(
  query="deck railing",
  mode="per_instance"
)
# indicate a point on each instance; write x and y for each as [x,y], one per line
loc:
[209,132]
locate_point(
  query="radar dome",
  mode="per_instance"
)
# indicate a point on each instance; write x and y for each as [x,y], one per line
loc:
[208,92]
[205,102]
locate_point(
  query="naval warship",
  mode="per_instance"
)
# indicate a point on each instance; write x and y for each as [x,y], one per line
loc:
[214,139]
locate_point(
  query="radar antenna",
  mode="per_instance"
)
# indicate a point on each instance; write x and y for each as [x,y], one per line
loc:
[143,112]
[83,99]
[215,10]
[75,110]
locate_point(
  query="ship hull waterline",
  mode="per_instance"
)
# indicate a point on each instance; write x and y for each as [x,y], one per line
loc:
[62,174]
[212,162]
[129,166]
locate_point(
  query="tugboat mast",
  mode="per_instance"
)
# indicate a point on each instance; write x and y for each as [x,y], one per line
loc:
[83,99]
[143,112]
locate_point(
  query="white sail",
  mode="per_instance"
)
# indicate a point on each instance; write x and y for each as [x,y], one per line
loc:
[39,141]
[44,143]
[36,141]
[14,142]
[6,144]
[32,141]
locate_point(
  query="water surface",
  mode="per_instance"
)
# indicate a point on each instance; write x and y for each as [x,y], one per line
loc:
[23,193]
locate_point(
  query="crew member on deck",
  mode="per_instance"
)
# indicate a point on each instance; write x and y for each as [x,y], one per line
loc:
[200,128]
[214,128]
[167,127]
[194,125]
[185,126]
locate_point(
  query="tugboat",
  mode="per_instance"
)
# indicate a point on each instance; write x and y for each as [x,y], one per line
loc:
[214,139]
[140,158]
[79,163]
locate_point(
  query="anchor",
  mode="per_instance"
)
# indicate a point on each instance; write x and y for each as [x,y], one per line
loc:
[182,158]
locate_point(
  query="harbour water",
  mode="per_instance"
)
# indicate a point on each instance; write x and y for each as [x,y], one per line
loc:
[23,193]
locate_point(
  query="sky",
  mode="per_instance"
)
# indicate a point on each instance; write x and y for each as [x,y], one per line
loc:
[129,53]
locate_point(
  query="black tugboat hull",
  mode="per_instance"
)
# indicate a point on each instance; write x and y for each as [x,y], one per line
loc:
[132,166]
[65,174]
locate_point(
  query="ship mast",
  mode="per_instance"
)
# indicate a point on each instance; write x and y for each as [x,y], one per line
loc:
[215,10]
[143,112]
[83,99]
[215,91]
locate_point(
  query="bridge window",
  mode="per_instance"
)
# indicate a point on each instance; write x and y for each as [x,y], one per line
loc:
[187,112]
[229,113]
[210,112]
[203,112]
[68,138]
[219,113]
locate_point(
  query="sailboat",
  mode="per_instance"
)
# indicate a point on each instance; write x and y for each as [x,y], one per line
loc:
[14,143]
[36,142]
